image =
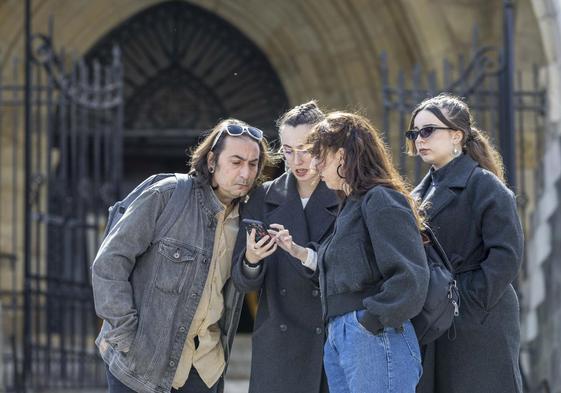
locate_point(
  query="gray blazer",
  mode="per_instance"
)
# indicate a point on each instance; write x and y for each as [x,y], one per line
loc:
[147,292]
[288,334]
[474,216]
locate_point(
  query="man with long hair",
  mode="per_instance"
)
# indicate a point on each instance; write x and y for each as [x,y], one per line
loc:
[167,325]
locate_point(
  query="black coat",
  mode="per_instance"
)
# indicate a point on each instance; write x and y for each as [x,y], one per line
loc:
[475,219]
[288,334]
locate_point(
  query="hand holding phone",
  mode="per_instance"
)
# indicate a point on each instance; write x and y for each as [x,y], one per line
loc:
[262,245]
[259,226]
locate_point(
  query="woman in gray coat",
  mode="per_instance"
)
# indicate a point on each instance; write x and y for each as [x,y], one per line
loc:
[288,334]
[475,219]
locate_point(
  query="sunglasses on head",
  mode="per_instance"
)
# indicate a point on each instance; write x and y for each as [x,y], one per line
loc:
[237,130]
[424,132]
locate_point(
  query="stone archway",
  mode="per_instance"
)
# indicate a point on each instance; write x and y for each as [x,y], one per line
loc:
[185,69]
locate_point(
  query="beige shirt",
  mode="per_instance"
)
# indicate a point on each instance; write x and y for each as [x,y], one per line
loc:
[208,358]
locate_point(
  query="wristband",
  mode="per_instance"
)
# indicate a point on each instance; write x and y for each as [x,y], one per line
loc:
[252,265]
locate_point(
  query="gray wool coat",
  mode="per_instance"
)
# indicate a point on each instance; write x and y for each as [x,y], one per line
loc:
[288,334]
[475,219]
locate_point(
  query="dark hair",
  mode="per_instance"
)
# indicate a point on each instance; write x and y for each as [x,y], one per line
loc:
[308,113]
[367,160]
[455,113]
[199,165]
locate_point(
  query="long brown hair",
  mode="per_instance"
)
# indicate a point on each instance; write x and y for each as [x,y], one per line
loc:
[455,113]
[199,165]
[367,159]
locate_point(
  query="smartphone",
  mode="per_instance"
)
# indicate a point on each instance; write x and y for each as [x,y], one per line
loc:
[259,226]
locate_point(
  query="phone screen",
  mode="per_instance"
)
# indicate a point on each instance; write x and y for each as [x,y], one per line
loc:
[260,229]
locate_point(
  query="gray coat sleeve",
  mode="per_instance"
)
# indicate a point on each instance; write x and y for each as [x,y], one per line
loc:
[401,259]
[247,280]
[130,237]
[503,240]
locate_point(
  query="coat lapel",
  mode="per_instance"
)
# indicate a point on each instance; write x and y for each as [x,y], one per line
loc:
[285,207]
[439,200]
[456,178]
[321,211]
[421,188]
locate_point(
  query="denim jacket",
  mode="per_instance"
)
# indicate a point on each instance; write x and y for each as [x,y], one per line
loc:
[147,291]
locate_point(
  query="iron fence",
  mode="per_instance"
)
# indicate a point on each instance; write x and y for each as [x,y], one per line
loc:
[64,128]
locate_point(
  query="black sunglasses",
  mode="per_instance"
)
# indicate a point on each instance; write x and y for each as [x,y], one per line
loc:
[237,130]
[424,132]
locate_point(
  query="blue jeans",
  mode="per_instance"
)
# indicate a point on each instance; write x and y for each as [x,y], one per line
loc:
[358,361]
[194,384]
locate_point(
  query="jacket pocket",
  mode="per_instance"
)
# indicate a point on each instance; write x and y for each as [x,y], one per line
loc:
[177,262]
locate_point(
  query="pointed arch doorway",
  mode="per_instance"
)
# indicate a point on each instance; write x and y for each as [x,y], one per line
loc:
[185,69]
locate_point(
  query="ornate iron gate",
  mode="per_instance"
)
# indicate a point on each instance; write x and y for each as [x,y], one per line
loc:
[70,116]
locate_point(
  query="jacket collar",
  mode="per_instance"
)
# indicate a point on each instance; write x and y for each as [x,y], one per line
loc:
[456,176]
[207,199]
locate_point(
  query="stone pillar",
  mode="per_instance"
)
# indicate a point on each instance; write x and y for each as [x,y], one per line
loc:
[541,310]
[2,387]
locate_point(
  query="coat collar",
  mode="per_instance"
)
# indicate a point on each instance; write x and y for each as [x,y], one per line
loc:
[305,225]
[457,177]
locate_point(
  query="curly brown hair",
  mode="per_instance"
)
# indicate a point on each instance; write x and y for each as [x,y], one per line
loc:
[367,159]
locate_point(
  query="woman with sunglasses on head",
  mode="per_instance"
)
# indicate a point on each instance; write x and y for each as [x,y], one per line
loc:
[373,270]
[475,219]
[288,334]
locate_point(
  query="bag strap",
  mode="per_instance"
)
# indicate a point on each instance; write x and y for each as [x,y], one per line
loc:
[438,247]
[174,206]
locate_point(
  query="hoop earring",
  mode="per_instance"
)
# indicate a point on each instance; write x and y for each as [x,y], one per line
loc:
[211,169]
[338,174]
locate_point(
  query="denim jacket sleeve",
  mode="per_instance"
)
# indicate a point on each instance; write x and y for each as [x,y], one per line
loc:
[130,237]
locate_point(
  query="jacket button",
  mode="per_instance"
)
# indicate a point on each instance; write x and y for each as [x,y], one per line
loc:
[283,328]
[283,292]
[319,331]
[176,255]
[315,293]
[205,261]
[182,329]
[171,363]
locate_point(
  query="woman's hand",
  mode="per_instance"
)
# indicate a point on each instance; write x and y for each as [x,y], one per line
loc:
[283,238]
[256,251]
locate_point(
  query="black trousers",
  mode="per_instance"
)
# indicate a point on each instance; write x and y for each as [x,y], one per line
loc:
[194,384]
